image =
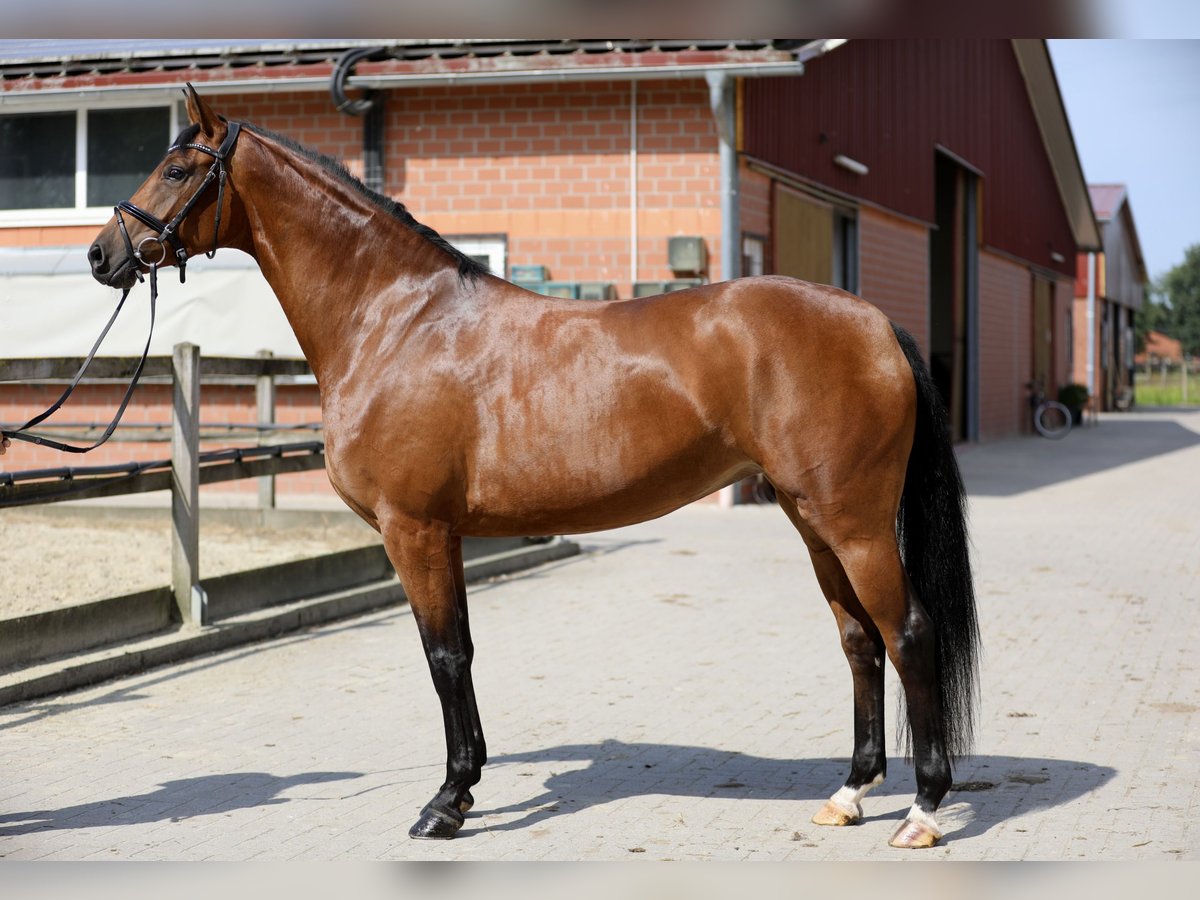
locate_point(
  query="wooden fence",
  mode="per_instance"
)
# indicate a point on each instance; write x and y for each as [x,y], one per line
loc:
[186,469]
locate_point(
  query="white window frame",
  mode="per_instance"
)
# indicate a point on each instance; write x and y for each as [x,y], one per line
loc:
[754,249]
[495,248]
[80,213]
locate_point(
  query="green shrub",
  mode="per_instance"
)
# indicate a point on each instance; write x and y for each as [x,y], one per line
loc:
[1073,396]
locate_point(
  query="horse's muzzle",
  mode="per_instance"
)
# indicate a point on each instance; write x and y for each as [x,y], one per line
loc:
[109,272]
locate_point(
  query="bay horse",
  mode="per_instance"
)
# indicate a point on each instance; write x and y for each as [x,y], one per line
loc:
[456,403]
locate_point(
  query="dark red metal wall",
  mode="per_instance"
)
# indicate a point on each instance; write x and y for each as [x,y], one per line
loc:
[889,104]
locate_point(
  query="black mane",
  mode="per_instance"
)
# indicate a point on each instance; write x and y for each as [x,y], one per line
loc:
[467,267]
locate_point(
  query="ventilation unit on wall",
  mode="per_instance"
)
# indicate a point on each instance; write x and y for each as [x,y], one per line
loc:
[687,255]
[650,288]
[573,290]
[523,274]
[597,290]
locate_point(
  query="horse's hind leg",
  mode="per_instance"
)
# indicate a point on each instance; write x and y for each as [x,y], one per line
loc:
[429,562]
[873,567]
[864,649]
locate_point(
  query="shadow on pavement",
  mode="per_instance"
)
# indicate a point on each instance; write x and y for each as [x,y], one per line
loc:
[174,801]
[1014,466]
[988,790]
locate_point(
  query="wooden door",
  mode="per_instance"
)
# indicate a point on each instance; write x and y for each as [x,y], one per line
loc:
[803,236]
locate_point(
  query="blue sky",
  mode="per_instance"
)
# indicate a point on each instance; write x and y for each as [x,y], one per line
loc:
[1134,107]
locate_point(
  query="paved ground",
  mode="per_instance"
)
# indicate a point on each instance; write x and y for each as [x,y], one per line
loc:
[679,693]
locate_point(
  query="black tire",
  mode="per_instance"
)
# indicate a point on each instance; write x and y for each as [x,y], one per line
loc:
[1052,420]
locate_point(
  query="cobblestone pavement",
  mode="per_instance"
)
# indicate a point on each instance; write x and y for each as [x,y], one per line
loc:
[679,693]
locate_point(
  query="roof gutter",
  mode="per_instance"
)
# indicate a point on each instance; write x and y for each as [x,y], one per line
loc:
[218,86]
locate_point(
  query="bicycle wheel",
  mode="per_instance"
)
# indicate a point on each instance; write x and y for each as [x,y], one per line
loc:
[1052,419]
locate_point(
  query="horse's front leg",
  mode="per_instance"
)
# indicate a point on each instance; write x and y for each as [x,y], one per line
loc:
[428,560]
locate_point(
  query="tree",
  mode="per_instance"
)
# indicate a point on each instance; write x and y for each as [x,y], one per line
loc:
[1155,315]
[1181,287]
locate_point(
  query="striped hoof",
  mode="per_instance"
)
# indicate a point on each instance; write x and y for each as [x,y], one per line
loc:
[914,835]
[835,814]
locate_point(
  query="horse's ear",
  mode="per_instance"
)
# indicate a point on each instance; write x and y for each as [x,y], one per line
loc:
[199,112]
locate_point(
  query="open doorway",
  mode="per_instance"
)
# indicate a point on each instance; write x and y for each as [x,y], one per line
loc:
[953,277]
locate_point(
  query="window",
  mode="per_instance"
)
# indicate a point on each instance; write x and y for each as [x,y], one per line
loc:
[37,161]
[845,250]
[73,165]
[487,249]
[123,147]
[754,251]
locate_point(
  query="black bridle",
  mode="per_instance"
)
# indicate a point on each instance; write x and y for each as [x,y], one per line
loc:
[167,234]
[167,231]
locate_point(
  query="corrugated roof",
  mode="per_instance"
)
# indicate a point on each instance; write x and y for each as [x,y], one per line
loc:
[82,64]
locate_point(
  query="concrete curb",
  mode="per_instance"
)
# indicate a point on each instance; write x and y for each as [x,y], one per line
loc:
[70,672]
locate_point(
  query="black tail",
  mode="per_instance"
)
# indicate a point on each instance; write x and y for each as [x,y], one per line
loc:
[932,527]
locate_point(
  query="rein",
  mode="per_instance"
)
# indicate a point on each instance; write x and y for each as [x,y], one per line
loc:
[22,435]
[166,234]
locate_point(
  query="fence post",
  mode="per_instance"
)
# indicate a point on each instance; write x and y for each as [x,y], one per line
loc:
[185,485]
[265,397]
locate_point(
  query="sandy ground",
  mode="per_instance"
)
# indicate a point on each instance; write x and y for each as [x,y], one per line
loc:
[51,558]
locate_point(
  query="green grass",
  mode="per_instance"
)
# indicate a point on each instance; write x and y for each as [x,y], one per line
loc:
[1154,390]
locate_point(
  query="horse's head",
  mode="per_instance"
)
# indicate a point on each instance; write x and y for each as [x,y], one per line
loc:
[177,211]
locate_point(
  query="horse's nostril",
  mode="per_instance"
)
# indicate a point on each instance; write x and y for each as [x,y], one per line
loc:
[96,257]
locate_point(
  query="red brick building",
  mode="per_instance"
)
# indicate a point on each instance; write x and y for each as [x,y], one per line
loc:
[1160,348]
[936,178]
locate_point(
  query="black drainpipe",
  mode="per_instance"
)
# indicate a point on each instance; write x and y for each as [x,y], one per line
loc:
[370,108]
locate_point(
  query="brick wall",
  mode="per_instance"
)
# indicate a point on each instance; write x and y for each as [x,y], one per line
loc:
[894,270]
[548,165]
[305,117]
[49,236]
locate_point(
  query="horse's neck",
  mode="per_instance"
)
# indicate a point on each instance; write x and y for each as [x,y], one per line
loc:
[329,253]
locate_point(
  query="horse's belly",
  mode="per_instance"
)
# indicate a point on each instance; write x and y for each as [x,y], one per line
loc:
[553,499]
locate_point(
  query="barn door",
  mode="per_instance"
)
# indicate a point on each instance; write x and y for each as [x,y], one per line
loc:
[803,236]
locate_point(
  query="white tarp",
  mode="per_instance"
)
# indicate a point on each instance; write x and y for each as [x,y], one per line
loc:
[226,307]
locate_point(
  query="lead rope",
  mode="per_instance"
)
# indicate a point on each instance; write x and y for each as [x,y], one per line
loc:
[21,434]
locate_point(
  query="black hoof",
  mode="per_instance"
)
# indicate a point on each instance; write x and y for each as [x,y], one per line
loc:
[466,803]
[436,825]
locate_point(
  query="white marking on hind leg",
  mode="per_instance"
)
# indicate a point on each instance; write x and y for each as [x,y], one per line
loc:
[918,815]
[850,799]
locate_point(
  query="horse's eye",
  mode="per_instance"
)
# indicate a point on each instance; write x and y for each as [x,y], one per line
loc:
[174,173]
